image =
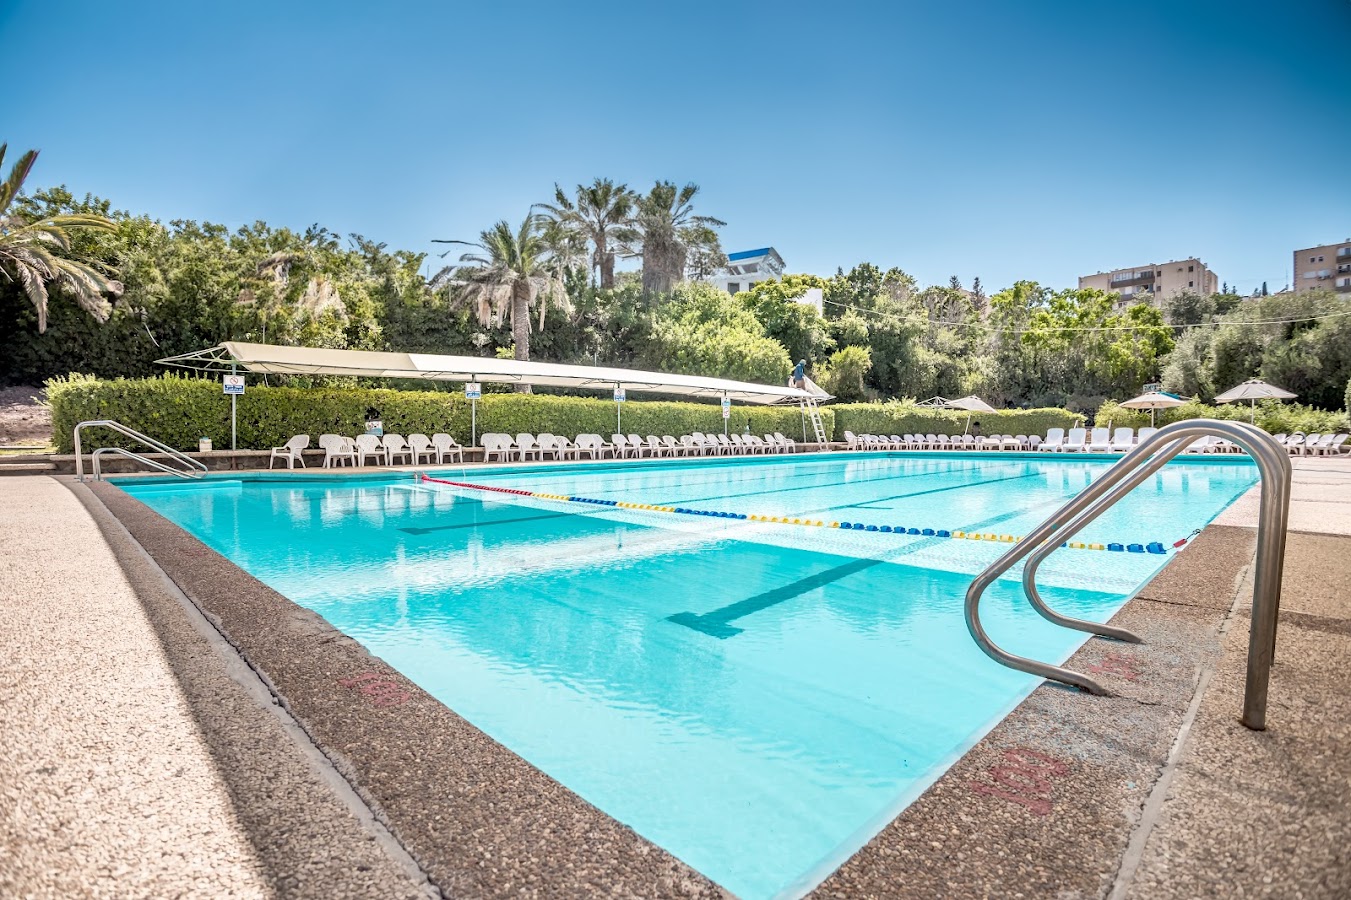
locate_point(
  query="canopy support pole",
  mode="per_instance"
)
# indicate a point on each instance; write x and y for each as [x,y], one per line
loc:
[234,370]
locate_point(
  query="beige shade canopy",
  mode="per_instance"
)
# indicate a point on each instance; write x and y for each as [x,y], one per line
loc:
[970,404]
[1154,400]
[277,360]
[1252,390]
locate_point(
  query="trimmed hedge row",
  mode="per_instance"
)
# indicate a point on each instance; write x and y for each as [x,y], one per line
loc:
[179,410]
[901,417]
[1272,415]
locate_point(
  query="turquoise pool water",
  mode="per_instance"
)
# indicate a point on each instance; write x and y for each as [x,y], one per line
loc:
[757,699]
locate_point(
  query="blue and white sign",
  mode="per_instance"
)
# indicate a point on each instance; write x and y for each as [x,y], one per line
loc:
[234,384]
[726,408]
[473,390]
[619,395]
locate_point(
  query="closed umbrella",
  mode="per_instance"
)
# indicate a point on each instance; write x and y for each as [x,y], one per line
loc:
[972,404]
[1252,390]
[1154,400]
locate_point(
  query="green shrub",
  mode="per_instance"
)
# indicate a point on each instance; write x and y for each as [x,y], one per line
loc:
[179,410]
[1272,415]
[901,417]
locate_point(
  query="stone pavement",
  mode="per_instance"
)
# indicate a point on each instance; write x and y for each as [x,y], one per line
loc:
[135,762]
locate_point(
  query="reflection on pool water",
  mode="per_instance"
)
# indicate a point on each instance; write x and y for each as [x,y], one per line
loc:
[758,699]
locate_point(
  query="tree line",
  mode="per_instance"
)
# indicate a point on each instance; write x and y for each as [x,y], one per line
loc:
[549,287]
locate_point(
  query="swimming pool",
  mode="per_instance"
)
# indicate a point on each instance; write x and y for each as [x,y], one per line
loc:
[757,698]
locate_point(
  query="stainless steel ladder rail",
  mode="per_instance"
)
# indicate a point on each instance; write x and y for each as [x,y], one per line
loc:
[1151,455]
[193,466]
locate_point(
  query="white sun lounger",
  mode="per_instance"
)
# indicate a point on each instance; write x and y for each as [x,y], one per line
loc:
[1123,439]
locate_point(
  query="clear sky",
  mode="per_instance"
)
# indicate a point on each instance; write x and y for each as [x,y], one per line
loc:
[1029,139]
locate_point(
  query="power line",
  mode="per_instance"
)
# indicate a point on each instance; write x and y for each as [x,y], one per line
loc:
[1077,328]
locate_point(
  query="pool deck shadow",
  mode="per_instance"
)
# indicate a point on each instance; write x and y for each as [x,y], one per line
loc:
[1157,792]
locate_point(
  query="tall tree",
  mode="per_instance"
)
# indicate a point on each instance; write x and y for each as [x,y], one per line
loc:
[663,232]
[600,213]
[511,273]
[29,250]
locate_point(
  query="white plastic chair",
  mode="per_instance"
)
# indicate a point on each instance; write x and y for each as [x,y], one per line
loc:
[1144,433]
[1123,439]
[1075,442]
[1055,440]
[444,445]
[498,445]
[336,451]
[369,445]
[526,446]
[851,439]
[637,445]
[420,445]
[395,446]
[290,451]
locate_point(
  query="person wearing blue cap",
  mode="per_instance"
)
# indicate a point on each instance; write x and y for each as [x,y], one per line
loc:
[800,375]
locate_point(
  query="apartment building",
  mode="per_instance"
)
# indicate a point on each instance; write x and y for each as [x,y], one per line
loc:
[1328,266]
[1151,283]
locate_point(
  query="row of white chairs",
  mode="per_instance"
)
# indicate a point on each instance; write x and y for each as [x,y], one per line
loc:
[525,446]
[387,450]
[1314,444]
[940,442]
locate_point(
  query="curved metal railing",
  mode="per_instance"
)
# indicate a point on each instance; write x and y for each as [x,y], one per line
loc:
[1134,468]
[191,465]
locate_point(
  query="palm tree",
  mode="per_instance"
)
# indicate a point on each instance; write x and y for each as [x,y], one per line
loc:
[666,228]
[600,213]
[28,251]
[512,272]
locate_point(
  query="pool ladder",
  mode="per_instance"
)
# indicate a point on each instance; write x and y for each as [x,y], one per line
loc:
[813,412]
[191,468]
[1135,467]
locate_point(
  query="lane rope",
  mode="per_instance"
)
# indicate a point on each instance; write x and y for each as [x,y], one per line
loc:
[1156,547]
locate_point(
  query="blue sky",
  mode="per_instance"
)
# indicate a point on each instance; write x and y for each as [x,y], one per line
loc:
[1002,140]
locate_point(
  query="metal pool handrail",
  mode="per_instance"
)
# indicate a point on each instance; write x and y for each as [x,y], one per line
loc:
[1134,468]
[178,455]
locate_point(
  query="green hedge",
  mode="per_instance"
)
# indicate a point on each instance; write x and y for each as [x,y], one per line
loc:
[1272,415]
[179,410]
[901,417]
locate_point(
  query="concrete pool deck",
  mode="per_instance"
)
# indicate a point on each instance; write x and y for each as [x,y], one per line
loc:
[1157,792]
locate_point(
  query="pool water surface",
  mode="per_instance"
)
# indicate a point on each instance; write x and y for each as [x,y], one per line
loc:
[758,699]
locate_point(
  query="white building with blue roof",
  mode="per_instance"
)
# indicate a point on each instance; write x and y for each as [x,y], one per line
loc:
[747,268]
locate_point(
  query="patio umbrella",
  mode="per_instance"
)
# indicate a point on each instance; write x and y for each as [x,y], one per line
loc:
[1154,400]
[972,404]
[1252,390]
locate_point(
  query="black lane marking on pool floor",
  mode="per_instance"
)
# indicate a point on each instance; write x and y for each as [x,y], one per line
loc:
[867,504]
[805,487]
[715,623]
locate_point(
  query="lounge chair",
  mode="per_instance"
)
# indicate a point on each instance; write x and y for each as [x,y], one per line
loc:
[1033,442]
[788,444]
[1204,444]
[738,444]
[592,444]
[498,445]
[1100,441]
[395,447]
[1123,439]
[851,439]
[672,446]
[1318,447]
[1055,440]
[1338,446]
[420,445]
[368,445]
[445,446]
[1145,433]
[336,450]
[724,444]
[1075,442]
[290,451]
[636,444]
[1294,444]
